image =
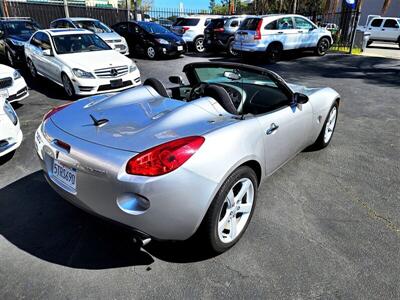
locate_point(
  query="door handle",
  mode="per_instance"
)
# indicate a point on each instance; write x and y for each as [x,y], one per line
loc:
[280,32]
[272,129]
[300,31]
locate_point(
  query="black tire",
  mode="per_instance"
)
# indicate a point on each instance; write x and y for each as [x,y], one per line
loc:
[32,68]
[230,51]
[209,227]
[198,45]
[321,143]
[323,46]
[151,52]
[10,58]
[274,53]
[68,86]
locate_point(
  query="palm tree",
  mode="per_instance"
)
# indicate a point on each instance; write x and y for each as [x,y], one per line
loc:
[385,6]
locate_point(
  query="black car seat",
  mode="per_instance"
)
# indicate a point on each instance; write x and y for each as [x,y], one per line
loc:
[222,97]
[157,85]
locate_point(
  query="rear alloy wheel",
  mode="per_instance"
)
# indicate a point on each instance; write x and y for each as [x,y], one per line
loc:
[68,87]
[232,52]
[274,53]
[231,211]
[10,58]
[32,68]
[322,46]
[151,52]
[199,45]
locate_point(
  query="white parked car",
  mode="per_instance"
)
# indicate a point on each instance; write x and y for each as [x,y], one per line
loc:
[271,34]
[13,83]
[384,29]
[10,132]
[191,29]
[113,39]
[80,61]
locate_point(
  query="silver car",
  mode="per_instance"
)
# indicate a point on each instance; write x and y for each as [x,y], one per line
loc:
[113,39]
[170,163]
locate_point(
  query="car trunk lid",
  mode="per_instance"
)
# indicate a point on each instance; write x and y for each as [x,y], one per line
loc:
[137,120]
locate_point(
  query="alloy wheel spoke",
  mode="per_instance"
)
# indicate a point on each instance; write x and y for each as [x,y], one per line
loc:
[224,221]
[233,228]
[245,208]
[231,198]
[243,190]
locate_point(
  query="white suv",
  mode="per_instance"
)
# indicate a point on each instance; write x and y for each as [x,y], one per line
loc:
[384,29]
[191,29]
[272,34]
[80,61]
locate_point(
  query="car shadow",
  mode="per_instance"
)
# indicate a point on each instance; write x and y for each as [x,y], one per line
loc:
[38,221]
[6,158]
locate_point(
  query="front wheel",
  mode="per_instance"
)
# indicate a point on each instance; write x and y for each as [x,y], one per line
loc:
[322,46]
[199,45]
[328,129]
[151,52]
[231,210]
[68,87]
[231,51]
[32,68]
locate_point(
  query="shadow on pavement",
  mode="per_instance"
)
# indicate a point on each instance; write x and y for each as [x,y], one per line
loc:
[38,221]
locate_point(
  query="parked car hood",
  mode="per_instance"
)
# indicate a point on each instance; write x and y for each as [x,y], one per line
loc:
[22,37]
[106,36]
[92,60]
[6,71]
[139,119]
[170,37]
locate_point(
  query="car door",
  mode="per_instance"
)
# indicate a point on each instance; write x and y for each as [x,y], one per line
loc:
[51,65]
[36,51]
[390,30]
[375,28]
[137,36]
[308,35]
[287,34]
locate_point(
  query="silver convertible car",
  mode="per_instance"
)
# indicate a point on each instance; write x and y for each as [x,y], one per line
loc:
[171,163]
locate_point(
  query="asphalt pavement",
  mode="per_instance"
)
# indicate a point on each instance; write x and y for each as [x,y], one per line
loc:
[326,225]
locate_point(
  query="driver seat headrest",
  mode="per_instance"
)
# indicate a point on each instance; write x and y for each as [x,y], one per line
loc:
[222,97]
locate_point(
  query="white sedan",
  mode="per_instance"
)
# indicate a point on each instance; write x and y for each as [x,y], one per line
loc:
[80,61]
[13,84]
[10,132]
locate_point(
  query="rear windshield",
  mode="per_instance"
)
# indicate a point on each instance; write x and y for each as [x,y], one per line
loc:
[217,23]
[187,22]
[249,24]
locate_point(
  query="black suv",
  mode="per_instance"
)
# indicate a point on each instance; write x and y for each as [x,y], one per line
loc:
[220,33]
[151,39]
[14,32]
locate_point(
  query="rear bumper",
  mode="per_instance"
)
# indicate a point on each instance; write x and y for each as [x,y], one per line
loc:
[239,47]
[169,207]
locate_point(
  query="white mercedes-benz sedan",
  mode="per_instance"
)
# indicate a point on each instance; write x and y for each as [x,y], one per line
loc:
[80,61]
[10,131]
[13,84]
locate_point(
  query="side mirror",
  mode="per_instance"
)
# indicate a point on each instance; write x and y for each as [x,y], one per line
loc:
[299,98]
[176,80]
[47,52]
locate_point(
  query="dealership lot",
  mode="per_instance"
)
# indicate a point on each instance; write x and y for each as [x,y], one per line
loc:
[327,225]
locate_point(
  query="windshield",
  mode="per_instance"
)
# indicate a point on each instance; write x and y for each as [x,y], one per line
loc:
[73,43]
[21,27]
[153,27]
[93,25]
[233,75]
[187,22]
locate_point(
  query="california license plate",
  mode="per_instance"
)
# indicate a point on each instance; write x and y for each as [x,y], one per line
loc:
[65,175]
[180,48]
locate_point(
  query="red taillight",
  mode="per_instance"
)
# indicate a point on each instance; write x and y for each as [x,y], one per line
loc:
[54,110]
[219,29]
[185,29]
[257,35]
[164,158]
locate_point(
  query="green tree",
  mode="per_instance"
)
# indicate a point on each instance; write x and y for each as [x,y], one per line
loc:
[212,4]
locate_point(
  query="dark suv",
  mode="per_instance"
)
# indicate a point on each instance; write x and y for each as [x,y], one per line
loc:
[220,33]
[14,32]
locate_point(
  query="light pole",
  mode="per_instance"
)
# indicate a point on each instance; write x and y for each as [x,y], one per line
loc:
[294,6]
[66,8]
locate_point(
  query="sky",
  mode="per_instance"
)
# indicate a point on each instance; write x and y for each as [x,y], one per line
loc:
[187,4]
